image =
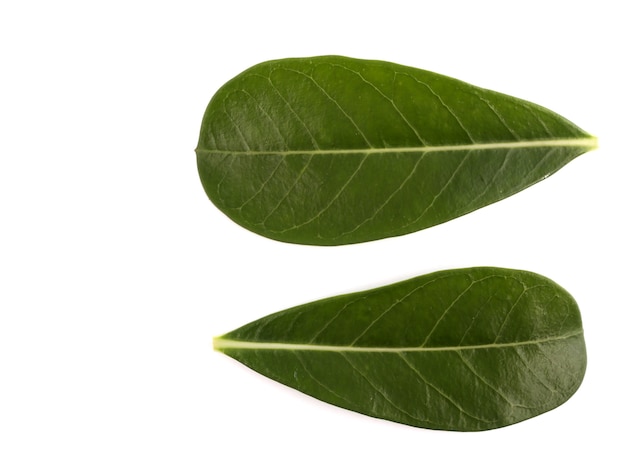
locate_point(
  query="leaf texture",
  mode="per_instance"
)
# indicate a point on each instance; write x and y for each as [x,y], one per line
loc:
[466,350]
[333,150]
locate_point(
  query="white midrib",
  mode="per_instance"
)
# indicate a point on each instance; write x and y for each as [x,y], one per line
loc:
[587,143]
[220,344]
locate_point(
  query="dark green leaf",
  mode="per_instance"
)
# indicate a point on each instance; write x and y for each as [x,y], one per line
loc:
[469,349]
[333,150]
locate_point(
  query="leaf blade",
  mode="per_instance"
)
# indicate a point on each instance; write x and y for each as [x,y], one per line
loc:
[481,347]
[295,149]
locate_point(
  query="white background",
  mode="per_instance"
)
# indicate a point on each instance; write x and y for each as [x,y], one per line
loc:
[116,270]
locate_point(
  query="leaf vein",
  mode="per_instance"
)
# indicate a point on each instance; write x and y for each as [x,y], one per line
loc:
[263,184]
[441,192]
[289,190]
[446,311]
[441,392]
[331,201]
[445,105]
[335,102]
[292,110]
[333,318]
[482,379]
[389,198]
[492,181]
[389,99]
[498,115]
[321,384]
[383,394]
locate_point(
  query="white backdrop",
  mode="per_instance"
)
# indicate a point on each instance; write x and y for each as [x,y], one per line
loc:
[116,271]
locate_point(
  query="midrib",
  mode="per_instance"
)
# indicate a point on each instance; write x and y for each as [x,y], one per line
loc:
[587,143]
[221,344]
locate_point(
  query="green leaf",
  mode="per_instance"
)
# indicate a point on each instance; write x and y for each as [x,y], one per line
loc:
[468,349]
[333,150]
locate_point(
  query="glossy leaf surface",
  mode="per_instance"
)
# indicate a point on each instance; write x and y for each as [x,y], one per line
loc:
[334,150]
[469,349]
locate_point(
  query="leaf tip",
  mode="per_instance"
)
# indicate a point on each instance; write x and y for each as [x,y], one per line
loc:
[217,343]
